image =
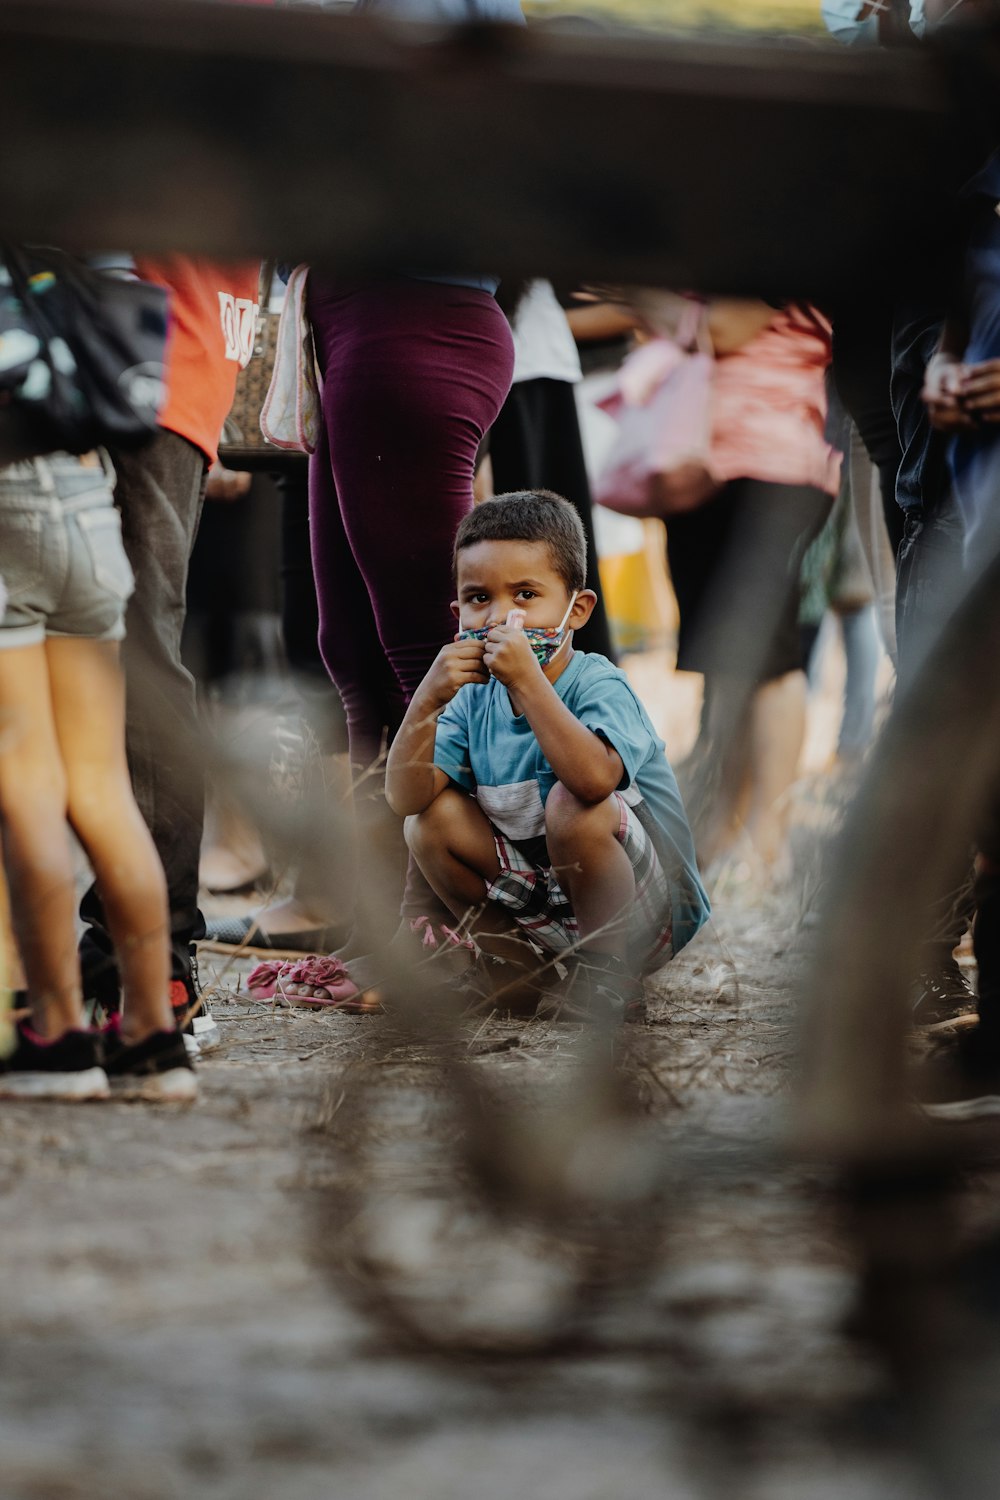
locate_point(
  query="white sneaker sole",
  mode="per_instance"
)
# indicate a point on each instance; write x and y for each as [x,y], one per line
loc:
[91,1083]
[985,1107]
[207,1035]
[178,1086]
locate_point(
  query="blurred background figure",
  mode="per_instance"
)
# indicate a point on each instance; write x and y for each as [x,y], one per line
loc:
[159,491]
[838,598]
[535,441]
[735,565]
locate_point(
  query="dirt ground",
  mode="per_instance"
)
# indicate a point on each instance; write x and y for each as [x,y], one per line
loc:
[181,1315]
[321,1281]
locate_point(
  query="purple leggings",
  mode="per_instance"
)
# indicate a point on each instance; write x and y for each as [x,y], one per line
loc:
[414,373]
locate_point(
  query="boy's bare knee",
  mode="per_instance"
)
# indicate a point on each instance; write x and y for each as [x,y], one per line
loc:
[411,831]
[435,821]
[567,818]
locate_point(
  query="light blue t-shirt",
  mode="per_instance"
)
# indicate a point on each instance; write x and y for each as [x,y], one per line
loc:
[487,749]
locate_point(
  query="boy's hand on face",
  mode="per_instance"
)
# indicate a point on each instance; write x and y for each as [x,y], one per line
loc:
[456,664]
[509,657]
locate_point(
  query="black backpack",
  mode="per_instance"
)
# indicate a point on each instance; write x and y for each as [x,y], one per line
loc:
[81,355]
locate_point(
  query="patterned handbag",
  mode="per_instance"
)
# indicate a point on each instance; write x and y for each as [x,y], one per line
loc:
[243,445]
[292,415]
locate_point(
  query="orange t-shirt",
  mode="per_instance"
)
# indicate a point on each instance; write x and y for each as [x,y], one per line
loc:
[213,314]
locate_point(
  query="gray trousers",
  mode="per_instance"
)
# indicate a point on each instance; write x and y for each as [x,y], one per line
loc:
[160,490]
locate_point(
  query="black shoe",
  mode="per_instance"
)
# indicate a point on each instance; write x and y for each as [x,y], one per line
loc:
[490,983]
[68,1068]
[600,988]
[102,993]
[191,1012]
[157,1068]
[941,992]
[961,1081]
[986,947]
[99,977]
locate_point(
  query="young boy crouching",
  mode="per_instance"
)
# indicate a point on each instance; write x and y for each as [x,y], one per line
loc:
[533,784]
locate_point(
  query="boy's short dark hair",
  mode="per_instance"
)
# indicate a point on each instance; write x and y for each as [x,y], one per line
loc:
[530,516]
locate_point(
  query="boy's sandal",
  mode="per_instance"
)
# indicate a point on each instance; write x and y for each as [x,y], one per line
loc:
[320,983]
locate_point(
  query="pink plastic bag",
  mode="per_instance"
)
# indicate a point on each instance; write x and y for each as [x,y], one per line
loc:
[659,464]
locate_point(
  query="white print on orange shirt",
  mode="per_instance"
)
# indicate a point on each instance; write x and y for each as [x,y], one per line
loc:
[239,326]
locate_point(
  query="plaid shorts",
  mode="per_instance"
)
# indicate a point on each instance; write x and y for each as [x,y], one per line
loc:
[528,887]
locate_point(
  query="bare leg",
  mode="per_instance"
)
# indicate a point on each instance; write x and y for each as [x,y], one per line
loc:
[592,868]
[452,842]
[777,730]
[232,856]
[88,704]
[325,884]
[36,842]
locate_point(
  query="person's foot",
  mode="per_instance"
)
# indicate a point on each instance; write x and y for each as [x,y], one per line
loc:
[67,1067]
[284,927]
[491,983]
[232,855]
[600,988]
[99,977]
[192,1016]
[940,992]
[417,940]
[314,983]
[232,872]
[158,1068]
[961,1079]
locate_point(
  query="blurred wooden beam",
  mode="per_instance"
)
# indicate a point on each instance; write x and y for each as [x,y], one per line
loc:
[166,124]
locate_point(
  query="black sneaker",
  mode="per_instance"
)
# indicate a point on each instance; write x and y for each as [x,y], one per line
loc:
[964,1082]
[941,992]
[490,983]
[194,1019]
[99,976]
[102,992]
[67,1068]
[600,988]
[158,1068]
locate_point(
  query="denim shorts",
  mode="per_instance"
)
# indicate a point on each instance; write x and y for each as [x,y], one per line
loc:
[62,560]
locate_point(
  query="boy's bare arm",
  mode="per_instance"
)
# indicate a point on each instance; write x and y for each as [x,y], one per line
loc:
[586,765]
[412,780]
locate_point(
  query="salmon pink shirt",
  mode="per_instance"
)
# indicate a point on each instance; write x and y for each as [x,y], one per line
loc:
[769,405]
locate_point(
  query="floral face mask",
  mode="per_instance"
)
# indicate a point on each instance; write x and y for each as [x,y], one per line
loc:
[544,640]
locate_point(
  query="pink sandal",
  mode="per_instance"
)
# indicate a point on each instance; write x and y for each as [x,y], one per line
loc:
[262,984]
[329,975]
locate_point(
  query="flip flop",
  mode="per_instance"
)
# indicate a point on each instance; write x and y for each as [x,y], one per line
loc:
[223,934]
[262,983]
[328,975]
